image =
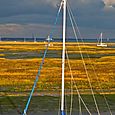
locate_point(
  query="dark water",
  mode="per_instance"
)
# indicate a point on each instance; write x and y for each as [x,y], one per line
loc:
[56,39]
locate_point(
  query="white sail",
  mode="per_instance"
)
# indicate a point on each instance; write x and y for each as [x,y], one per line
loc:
[100,43]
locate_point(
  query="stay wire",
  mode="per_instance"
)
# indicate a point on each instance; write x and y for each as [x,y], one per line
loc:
[57,16]
[84,63]
[39,70]
[79,96]
[92,64]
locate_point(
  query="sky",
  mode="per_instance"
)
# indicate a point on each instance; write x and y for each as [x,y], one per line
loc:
[22,18]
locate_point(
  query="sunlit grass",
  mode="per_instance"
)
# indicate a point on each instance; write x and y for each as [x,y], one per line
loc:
[18,74]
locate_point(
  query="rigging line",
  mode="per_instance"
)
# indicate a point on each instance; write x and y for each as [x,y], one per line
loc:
[75,84]
[85,66]
[84,63]
[59,107]
[80,108]
[107,104]
[71,95]
[35,82]
[42,62]
[92,65]
[66,104]
[98,39]
[57,16]
[12,103]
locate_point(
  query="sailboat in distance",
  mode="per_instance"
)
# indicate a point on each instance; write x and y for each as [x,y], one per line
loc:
[100,41]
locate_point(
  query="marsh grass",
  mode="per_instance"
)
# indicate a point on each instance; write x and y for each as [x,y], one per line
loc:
[19,64]
[50,103]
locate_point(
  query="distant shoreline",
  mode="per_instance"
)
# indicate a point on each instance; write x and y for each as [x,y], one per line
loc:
[41,39]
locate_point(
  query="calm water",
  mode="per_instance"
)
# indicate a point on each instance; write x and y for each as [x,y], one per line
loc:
[56,39]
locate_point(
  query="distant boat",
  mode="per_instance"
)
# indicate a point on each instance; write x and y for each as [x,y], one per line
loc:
[100,41]
[35,39]
[108,39]
[49,39]
[24,39]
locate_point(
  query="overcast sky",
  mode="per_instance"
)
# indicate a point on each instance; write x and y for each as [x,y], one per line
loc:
[21,18]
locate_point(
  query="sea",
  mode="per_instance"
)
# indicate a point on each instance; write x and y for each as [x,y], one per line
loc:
[112,40]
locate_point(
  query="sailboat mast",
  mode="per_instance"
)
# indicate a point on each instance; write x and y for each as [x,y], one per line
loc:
[101,37]
[63,55]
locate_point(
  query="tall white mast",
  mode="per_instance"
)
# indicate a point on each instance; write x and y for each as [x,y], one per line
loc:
[63,54]
[101,37]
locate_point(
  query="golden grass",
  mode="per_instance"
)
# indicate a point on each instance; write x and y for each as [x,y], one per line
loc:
[19,74]
[1,54]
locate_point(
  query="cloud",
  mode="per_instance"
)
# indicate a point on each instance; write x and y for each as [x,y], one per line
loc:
[39,30]
[26,30]
[20,7]
[87,6]
[89,13]
[48,7]
[42,2]
[10,29]
[53,2]
[109,3]
[109,6]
